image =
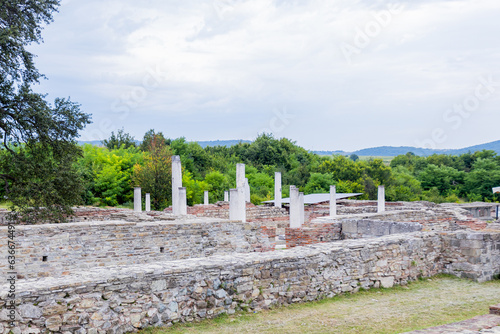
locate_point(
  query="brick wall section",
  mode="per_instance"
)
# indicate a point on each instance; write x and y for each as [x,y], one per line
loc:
[81,246]
[314,234]
[261,213]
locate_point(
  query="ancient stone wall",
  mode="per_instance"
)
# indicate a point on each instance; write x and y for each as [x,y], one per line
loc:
[474,255]
[120,299]
[365,228]
[62,249]
[124,298]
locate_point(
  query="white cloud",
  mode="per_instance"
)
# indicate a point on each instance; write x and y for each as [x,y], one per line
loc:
[227,65]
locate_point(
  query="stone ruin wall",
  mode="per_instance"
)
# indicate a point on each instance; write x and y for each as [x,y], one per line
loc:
[75,247]
[126,298]
[112,276]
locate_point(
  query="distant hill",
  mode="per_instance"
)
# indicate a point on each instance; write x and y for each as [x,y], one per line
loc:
[381,151]
[391,151]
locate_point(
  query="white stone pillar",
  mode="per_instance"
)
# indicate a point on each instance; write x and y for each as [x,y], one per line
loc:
[182,201]
[381,199]
[301,209]
[237,205]
[233,204]
[176,183]
[277,189]
[242,205]
[137,199]
[226,196]
[240,175]
[205,198]
[333,201]
[148,202]
[294,207]
[247,191]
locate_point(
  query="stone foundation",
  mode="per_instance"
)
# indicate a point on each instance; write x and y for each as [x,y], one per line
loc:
[124,298]
[53,250]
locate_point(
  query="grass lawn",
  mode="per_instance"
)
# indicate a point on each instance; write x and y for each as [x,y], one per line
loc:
[421,304]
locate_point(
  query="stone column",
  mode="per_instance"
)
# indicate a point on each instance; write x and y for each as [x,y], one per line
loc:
[247,191]
[182,201]
[301,209]
[294,207]
[226,196]
[277,189]
[137,199]
[333,201]
[205,198]
[240,175]
[242,205]
[381,199]
[176,183]
[233,204]
[237,205]
[148,202]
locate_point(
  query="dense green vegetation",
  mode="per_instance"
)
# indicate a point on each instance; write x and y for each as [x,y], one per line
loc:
[38,151]
[111,173]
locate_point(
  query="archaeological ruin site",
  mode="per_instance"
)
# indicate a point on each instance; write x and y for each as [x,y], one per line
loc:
[121,270]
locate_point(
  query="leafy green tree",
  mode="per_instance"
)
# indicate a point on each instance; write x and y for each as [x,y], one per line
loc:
[108,174]
[154,175]
[319,183]
[150,136]
[485,175]
[354,157]
[120,139]
[341,168]
[405,186]
[38,138]
[442,178]
[217,184]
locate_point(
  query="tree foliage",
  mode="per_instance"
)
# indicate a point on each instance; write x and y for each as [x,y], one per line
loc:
[154,175]
[120,139]
[37,138]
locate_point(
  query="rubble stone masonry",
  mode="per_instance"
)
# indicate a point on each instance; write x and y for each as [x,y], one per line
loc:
[117,299]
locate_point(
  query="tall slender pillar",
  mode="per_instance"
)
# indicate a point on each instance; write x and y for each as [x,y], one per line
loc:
[233,204]
[176,183]
[148,202]
[137,200]
[240,175]
[301,209]
[294,207]
[205,198]
[333,201]
[237,205]
[277,189]
[381,199]
[182,201]
[247,191]
[226,196]
[242,205]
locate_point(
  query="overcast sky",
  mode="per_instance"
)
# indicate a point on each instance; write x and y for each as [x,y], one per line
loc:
[328,74]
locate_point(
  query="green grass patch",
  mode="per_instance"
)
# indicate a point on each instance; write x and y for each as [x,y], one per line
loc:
[421,304]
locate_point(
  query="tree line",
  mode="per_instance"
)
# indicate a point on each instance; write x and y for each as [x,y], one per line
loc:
[110,172]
